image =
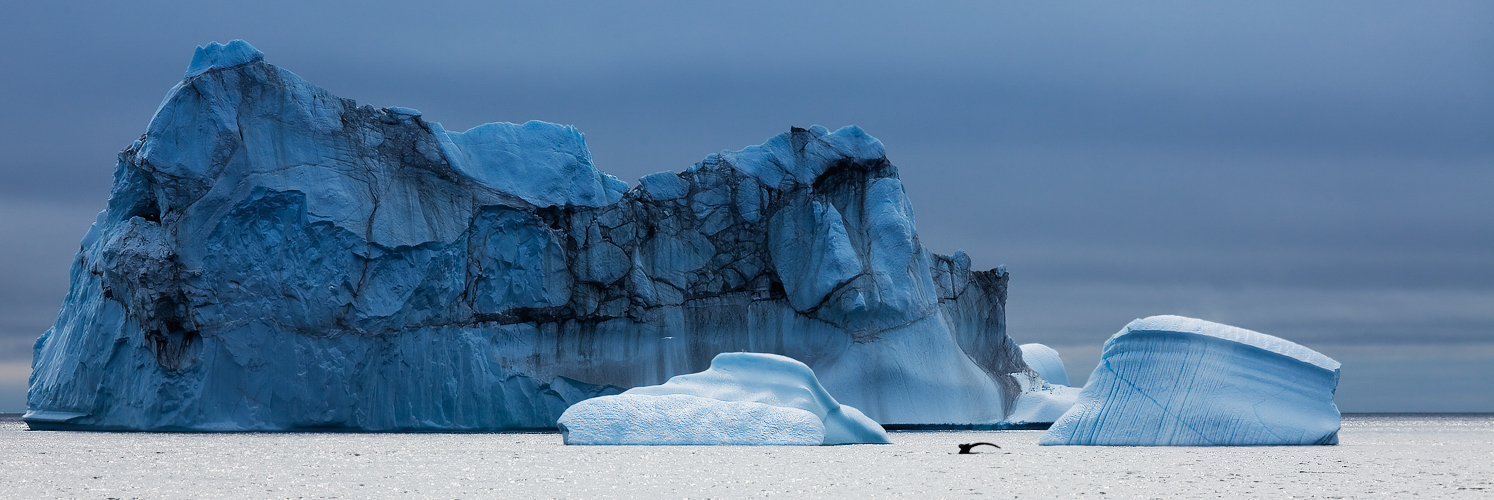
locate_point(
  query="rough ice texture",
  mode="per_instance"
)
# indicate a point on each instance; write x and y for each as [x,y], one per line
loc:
[1175,381]
[274,257]
[217,56]
[744,398]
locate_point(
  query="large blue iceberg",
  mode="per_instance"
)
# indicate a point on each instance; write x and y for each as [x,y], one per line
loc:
[744,398]
[274,257]
[1175,381]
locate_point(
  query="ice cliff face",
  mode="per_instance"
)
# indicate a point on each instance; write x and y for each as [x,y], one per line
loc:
[1046,362]
[276,257]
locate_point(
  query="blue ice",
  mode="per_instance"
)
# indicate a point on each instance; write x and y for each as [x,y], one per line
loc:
[744,398]
[1176,381]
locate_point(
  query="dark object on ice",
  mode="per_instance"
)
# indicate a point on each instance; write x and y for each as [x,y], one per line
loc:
[965,448]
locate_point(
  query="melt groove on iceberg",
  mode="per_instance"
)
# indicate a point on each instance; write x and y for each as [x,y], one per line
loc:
[1176,381]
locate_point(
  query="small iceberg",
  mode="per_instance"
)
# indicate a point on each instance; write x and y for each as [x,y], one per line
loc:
[1176,381]
[1046,396]
[743,399]
[1046,362]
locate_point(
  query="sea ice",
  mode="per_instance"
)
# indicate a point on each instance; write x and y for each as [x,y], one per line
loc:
[1175,381]
[744,398]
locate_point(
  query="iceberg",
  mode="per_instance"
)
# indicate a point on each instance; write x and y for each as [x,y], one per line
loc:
[274,257]
[1040,403]
[1046,362]
[744,398]
[1176,381]
[1045,393]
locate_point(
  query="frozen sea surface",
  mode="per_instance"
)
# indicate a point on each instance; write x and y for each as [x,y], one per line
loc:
[1391,456]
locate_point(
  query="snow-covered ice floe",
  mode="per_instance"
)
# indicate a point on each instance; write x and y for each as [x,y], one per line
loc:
[744,398]
[1176,381]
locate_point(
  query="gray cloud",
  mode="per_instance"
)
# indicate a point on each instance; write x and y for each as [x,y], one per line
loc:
[1317,171]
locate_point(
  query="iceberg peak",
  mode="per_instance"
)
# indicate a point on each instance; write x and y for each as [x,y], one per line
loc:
[217,56]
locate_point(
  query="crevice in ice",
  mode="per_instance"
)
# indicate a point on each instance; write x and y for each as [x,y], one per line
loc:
[848,173]
[1162,409]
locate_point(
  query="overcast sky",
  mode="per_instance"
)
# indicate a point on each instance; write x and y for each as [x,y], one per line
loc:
[1321,171]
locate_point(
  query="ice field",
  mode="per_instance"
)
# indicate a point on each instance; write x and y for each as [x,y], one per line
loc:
[1399,456]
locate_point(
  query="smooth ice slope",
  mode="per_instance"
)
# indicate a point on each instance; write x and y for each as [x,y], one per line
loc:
[1041,402]
[1175,381]
[1046,362]
[1045,391]
[744,398]
[274,257]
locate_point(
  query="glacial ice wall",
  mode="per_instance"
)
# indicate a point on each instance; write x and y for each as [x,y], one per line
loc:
[1176,381]
[275,257]
[744,398]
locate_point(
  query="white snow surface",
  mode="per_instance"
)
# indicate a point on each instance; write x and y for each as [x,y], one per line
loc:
[744,398]
[1176,381]
[1181,324]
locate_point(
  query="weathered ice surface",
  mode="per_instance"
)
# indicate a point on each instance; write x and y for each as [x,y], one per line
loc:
[275,257]
[1175,381]
[744,398]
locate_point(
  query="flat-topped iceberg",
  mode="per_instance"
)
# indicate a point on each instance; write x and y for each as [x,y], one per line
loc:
[274,257]
[1176,381]
[744,398]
